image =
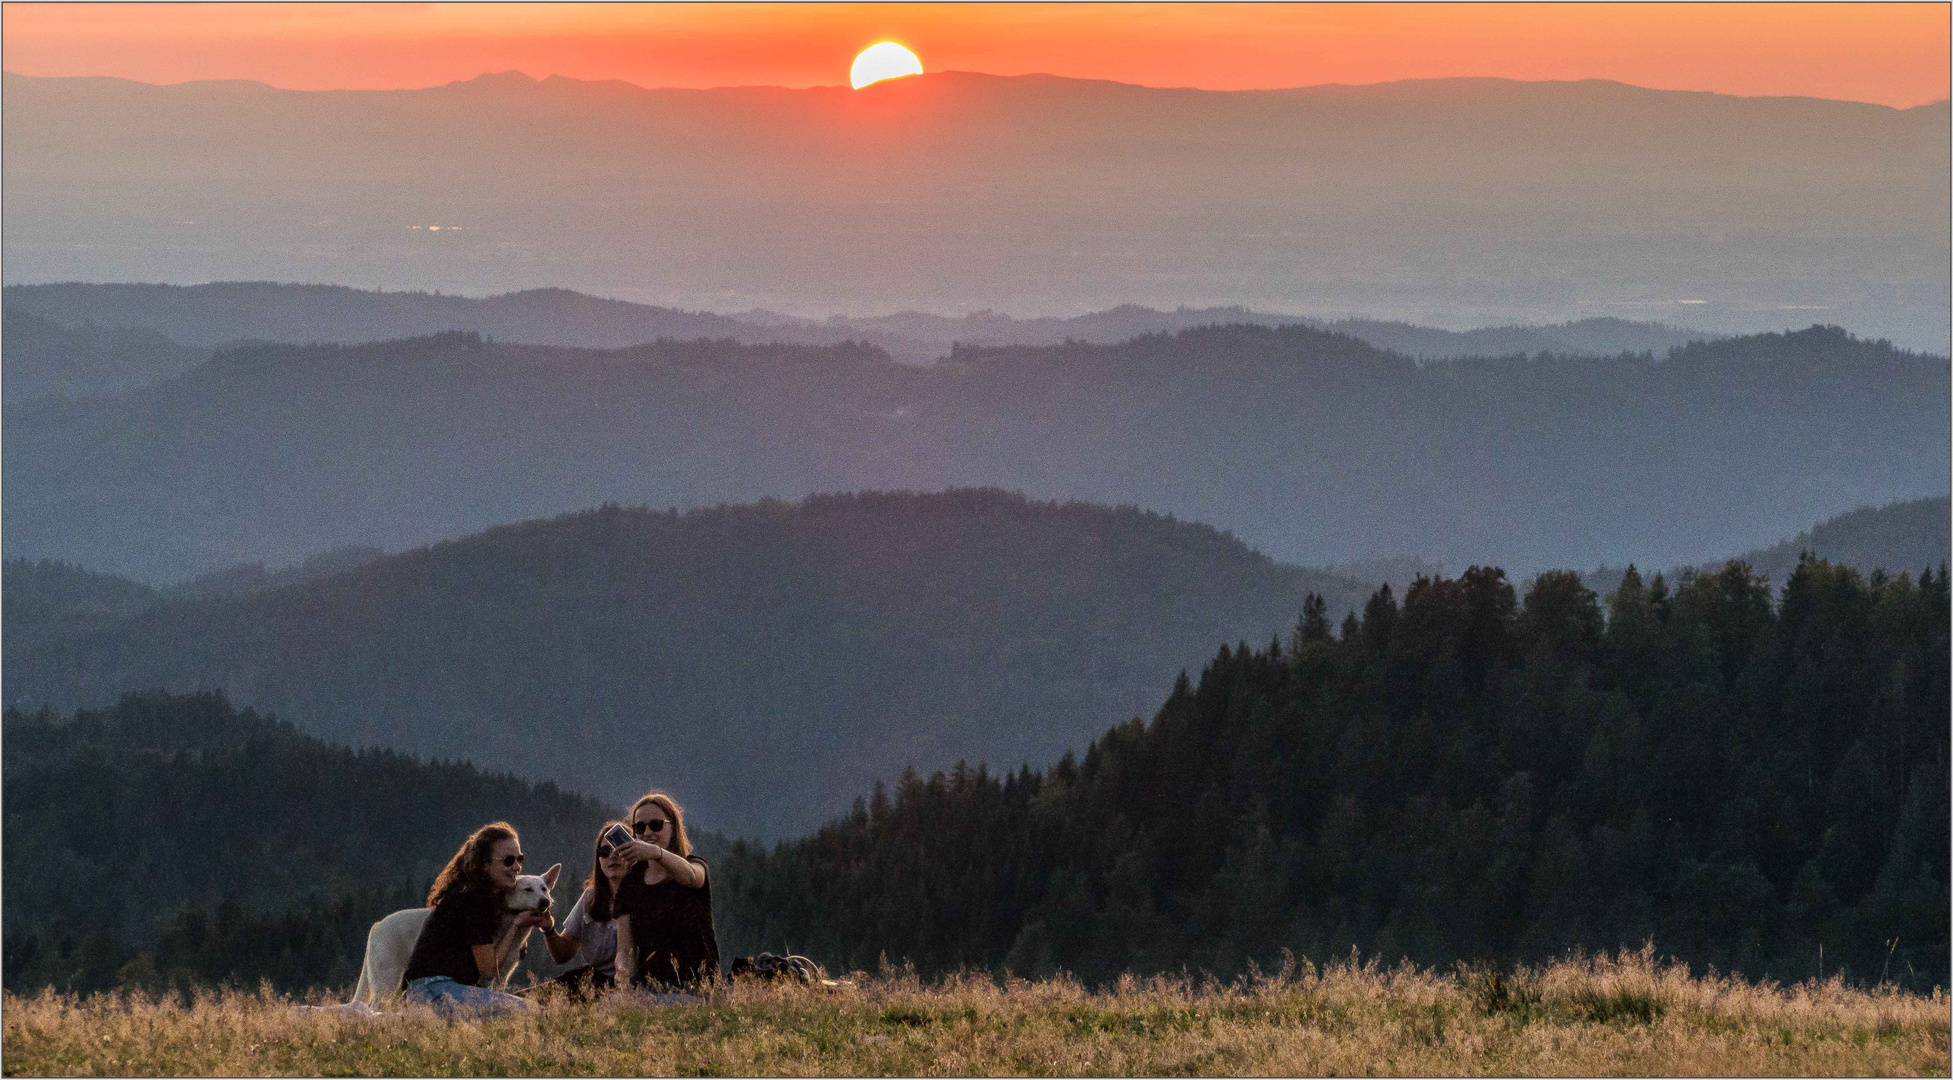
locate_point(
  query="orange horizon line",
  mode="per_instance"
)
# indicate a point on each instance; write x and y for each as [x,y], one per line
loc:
[983,74]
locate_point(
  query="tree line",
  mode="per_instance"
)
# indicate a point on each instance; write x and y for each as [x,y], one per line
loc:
[1756,786]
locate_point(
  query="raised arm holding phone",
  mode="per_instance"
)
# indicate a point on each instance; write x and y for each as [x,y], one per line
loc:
[665,938]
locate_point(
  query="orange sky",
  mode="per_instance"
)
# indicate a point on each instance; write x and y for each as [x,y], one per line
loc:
[1895,54]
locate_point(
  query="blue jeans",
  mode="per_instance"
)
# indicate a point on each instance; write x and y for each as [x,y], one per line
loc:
[449,997]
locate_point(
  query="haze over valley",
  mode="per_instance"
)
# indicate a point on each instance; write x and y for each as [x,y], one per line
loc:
[1034,195]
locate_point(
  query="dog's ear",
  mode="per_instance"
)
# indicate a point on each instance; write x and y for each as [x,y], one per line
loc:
[550,875]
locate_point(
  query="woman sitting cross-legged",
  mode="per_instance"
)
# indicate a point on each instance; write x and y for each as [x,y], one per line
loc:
[589,934]
[665,940]
[463,946]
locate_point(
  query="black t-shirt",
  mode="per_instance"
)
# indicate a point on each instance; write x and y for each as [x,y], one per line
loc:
[464,918]
[672,927]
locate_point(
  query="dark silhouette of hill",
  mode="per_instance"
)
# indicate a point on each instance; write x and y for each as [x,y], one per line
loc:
[1467,775]
[1314,447]
[1487,200]
[242,848]
[41,358]
[225,312]
[764,662]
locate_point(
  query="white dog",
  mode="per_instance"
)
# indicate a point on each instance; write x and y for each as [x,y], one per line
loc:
[390,943]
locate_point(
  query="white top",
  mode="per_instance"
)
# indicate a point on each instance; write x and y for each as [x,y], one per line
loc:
[596,942]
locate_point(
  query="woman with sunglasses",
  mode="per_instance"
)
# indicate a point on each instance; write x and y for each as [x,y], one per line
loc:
[461,949]
[589,934]
[665,939]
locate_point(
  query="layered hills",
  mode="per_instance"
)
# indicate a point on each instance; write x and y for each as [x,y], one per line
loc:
[1312,446]
[1490,200]
[764,662]
[786,655]
[54,346]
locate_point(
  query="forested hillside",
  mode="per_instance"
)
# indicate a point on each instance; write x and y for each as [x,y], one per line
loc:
[765,662]
[179,837]
[1465,775]
[1313,447]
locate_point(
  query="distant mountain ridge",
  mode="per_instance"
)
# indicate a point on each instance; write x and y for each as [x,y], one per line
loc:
[1312,446]
[1490,201]
[173,327]
[228,311]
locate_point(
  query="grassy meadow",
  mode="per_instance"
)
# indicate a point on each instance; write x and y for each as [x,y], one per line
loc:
[1624,1015]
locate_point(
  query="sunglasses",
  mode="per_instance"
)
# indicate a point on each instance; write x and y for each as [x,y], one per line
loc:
[511,860]
[642,827]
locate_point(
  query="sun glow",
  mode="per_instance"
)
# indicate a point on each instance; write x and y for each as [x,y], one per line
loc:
[883,60]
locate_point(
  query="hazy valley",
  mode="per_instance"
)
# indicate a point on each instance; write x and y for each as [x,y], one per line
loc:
[1036,195]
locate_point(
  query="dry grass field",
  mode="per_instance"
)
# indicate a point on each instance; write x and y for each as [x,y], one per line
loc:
[1622,1015]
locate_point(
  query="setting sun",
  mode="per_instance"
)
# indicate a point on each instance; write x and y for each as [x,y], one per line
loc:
[883,60]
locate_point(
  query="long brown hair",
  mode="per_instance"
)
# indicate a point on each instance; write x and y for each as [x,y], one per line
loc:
[598,884]
[469,867]
[679,843]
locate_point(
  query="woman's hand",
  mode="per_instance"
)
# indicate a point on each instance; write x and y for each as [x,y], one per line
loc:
[561,946]
[683,871]
[535,918]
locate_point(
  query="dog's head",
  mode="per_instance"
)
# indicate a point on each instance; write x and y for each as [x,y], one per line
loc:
[531,893]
